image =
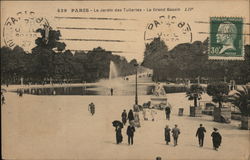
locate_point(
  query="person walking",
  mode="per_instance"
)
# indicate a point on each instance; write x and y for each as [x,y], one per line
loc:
[130,115]
[119,137]
[2,99]
[175,132]
[130,133]
[20,93]
[167,134]
[200,133]
[136,108]
[111,91]
[144,113]
[92,108]
[137,120]
[124,117]
[153,113]
[167,112]
[216,138]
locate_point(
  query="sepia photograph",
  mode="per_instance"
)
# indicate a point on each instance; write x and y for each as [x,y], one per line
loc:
[125,80]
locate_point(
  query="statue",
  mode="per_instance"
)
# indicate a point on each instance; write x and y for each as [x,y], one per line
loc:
[159,90]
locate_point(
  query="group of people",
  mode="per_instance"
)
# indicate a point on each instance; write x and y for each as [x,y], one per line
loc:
[152,112]
[200,133]
[149,114]
[175,133]
[216,137]
[130,117]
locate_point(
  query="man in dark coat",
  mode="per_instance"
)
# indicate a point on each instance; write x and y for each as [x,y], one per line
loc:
[200,133]
[216,137]
[176,132]
[124,117]
[130,133]
[167,134]
[167,111]
[119,137]
[130,115]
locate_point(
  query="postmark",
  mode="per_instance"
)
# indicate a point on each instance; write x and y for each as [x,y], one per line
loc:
[170,29]
[226,38]
[20,30]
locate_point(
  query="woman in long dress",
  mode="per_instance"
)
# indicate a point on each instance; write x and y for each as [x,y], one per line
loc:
[137,120]
[216,138]
[167,134]
[119,137]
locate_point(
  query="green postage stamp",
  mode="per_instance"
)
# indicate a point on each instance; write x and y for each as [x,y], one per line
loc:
[226,38]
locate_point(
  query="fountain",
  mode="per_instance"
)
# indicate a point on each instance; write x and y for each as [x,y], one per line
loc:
[112,75]
[112,71]
[113,83]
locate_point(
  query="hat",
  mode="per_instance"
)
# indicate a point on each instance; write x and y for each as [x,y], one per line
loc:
[215,129]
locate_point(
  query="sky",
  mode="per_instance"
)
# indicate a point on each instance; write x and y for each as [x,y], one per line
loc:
[123,27]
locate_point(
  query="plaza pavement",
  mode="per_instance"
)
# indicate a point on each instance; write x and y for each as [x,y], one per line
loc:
[60,127]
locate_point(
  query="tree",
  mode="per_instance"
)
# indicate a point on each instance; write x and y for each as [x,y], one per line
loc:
[154,52]
[44,54]
[5,60]
[218,91]
[13,64]
[52,42]
[49,59]
[190,60]
[194,93]
[241,99]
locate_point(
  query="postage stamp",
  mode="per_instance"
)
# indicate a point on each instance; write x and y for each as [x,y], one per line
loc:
[170,29]
[226,38]
[20,30]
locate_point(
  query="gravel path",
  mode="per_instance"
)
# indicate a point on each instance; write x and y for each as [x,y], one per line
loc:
[60,127]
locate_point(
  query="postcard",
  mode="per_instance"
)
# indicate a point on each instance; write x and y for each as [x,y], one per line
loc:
[127,80]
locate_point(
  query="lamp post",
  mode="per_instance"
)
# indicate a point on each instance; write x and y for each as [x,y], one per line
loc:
[136,94]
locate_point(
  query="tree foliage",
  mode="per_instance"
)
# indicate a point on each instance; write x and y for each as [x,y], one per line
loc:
[154,52]
[241,99]
[49,60]
[190,60]
[194,93]
[218,91]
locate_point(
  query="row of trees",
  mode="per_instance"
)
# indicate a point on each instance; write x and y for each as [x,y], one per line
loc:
[49,60]
[190,61]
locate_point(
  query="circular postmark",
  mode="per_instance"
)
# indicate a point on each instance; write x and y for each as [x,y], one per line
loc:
[21,29]
[171,30]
